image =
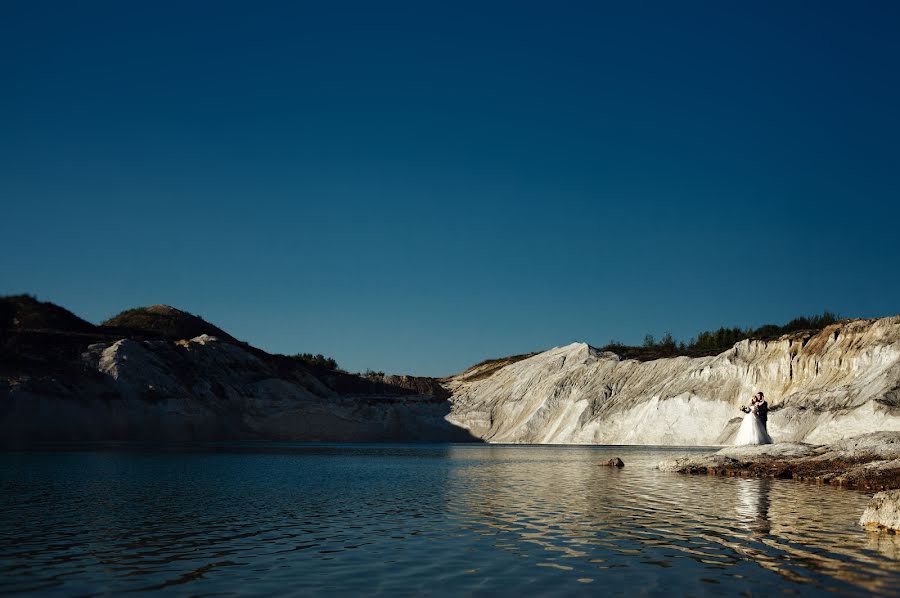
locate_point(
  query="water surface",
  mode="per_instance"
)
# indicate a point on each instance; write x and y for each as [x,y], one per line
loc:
[260,519]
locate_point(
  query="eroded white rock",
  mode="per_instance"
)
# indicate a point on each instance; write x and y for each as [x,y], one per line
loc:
[883,512]
[842,382]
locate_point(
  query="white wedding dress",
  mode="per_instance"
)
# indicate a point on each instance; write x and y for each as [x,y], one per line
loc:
[752,431]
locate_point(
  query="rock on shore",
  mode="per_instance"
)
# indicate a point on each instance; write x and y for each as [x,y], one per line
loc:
[867,462]
[883,513]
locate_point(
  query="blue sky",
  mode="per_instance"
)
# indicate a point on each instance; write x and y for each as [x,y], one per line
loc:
[414,187]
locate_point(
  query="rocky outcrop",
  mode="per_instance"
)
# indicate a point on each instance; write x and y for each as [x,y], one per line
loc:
[868,462]
[821,386]
[883,512]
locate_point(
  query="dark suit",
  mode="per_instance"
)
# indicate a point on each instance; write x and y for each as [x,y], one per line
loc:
[762,410]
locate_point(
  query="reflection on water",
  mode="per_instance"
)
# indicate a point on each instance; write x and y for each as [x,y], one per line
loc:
[438,519]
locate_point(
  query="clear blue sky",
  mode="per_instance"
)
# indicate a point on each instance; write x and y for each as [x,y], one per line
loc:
[414,187]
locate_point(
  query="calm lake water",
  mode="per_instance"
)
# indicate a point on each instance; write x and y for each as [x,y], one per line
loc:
[262,519]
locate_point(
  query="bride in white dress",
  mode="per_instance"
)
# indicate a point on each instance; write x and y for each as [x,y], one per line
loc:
[753,429]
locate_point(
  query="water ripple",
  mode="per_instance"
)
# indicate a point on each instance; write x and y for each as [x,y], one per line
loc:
[449,519]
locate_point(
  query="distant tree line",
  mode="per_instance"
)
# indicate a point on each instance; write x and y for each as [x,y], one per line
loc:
[317,360]
[712,342]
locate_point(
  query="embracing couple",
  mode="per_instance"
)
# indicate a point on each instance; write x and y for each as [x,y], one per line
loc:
[753,428]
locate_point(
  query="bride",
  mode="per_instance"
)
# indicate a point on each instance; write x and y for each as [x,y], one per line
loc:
[753,428]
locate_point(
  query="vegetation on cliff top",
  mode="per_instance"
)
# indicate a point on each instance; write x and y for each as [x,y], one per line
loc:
[713,342]
[317,360]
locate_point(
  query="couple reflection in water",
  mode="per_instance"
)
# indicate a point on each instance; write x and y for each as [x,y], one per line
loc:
[753,507]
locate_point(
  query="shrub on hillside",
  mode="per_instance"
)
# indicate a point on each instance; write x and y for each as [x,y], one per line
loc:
[317,360]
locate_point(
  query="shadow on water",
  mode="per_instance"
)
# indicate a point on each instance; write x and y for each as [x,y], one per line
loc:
[32,423]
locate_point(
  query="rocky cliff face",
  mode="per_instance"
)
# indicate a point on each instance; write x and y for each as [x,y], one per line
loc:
[205,388]
[137,377]
[840,382]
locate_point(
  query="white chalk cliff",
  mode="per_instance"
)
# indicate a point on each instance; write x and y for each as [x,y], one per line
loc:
[840,382]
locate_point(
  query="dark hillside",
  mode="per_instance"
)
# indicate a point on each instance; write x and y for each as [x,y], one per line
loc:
[25,312]
[166,321]
[42,339]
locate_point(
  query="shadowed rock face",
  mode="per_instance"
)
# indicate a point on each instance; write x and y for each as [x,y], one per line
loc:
[137,378]
[840,382]
[204,388]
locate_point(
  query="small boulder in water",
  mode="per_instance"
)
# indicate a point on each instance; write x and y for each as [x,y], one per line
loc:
[614,463]
[883,512]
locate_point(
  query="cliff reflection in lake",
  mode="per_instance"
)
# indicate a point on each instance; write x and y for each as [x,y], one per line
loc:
[437,519]
[559,499]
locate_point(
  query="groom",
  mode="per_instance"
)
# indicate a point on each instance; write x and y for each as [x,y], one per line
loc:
[762,409]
